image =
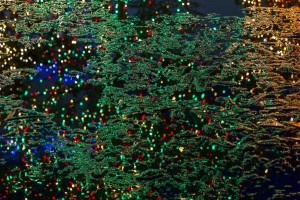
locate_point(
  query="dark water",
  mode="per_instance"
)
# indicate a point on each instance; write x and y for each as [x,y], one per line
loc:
[226,7]
[149,100]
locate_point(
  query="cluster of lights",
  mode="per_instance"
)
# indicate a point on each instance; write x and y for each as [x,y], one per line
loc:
[276,42]
[271,3]
[85,117]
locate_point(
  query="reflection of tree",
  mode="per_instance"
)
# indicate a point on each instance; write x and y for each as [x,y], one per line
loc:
[185,107]
[271,146]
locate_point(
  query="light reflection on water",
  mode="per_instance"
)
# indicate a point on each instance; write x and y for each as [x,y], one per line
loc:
[98,105]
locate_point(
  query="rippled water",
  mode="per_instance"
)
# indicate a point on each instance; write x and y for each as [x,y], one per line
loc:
[149,100]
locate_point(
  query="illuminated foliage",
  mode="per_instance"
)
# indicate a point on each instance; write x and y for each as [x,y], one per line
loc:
[98,105]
